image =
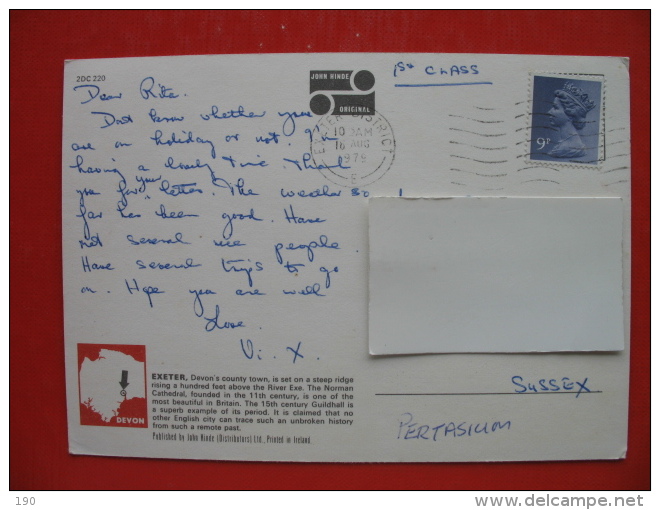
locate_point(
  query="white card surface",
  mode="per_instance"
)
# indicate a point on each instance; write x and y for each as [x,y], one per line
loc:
[216,256]
[486,274]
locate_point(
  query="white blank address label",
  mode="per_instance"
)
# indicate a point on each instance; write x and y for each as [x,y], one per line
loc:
[491,274]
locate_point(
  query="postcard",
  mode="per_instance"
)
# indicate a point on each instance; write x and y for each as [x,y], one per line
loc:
[347,257]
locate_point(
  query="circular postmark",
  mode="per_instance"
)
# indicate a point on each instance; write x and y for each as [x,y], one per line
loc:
[353,150]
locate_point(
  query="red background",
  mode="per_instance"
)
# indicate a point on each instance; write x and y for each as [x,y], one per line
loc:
[40,41]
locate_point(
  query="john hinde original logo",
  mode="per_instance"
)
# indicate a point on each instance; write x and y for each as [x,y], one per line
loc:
[354,97]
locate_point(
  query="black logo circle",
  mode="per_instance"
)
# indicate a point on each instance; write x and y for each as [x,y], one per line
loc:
[364,80]
[320,104]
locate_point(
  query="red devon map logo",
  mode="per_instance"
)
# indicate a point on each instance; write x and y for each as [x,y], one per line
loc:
[112,383]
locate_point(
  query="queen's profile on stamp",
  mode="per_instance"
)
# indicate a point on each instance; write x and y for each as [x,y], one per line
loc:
[565,120]
[569,114]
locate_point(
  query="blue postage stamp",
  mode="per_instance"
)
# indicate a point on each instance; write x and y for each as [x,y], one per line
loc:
[567,114]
